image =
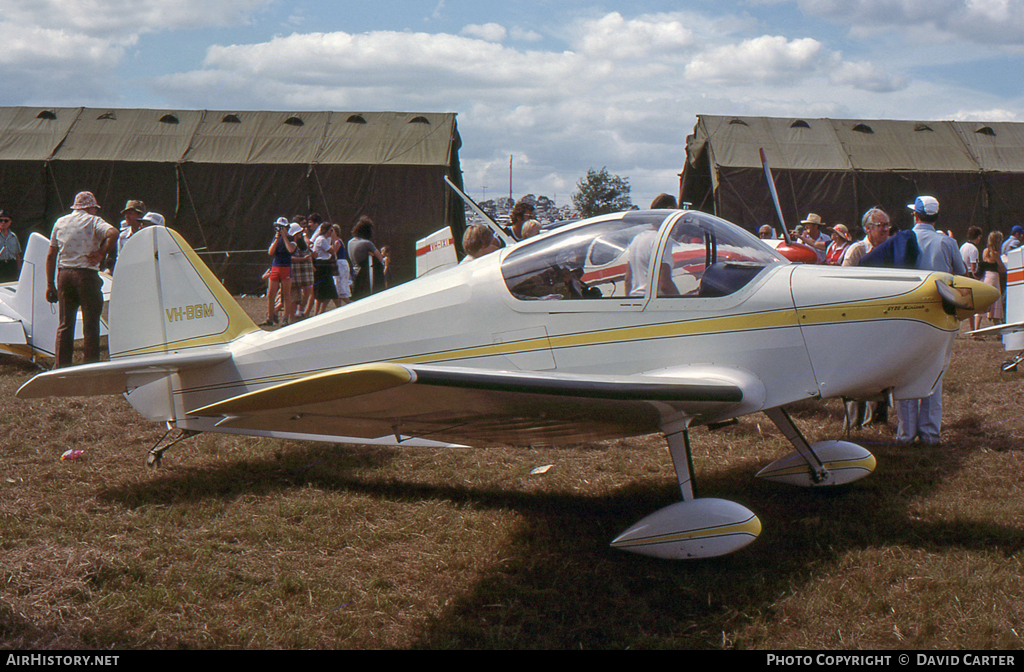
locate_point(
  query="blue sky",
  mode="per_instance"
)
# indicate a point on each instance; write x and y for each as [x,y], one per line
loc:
[561,86]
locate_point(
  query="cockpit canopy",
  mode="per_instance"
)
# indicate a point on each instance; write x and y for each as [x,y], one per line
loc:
[700,255]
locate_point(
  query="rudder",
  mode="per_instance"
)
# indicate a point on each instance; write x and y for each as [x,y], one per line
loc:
[164,298]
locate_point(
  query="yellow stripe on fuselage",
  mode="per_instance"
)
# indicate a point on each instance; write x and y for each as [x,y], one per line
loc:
[919,304]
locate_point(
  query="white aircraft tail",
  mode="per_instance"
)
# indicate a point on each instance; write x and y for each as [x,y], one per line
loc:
[165,299]
[435,252]
[38,318]
[34,315]
[168,313]
[1012,332]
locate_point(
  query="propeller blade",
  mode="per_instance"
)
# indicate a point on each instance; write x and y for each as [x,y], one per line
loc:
[775,195]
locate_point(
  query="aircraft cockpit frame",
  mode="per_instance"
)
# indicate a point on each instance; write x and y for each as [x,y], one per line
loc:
[612,262]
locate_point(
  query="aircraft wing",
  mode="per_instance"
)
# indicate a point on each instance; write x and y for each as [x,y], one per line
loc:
[485,407]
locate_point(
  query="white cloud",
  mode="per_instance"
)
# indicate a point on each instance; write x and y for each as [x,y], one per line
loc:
[762,59]
[39,63]
[491,32]
[615,37]
[524,35]
[984,22]
[124,20]
[868,77]
[996,114]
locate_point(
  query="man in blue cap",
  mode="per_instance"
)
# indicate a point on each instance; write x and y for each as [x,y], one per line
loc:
[1013,240]
[921,419]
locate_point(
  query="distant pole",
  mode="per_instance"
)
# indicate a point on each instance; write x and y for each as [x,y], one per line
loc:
[510,177]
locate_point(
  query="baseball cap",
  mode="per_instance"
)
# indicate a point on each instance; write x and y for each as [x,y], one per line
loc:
[925,205]
[154,218]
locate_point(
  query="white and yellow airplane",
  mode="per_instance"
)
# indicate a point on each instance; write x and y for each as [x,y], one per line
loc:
[28,323]
[518,348]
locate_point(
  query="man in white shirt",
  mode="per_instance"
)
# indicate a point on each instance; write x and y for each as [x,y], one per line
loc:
[1013,240]
[971,253]
[78,244]
[876,225]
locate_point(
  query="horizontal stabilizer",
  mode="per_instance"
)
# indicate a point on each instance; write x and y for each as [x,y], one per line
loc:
[999,329]
[114,377]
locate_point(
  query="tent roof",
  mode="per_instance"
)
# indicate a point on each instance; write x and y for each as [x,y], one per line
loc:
[865,144]
[32,133]
[206,136]
[997,147]
[129,135]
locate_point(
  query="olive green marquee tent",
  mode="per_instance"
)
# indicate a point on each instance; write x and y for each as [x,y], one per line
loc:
[221,178]
[839,168]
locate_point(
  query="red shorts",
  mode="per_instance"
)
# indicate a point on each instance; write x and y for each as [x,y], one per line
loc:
[280,272]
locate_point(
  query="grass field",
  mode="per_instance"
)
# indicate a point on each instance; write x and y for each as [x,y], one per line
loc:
[246,543]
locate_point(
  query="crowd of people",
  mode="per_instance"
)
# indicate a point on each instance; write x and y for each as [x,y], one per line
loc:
[313,267]
[924,247]
[983,258]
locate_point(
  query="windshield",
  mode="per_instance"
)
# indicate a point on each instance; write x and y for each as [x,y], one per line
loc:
[706,256]
[588,261]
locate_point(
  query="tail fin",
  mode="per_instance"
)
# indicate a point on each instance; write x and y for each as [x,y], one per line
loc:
[1015,285]
[39,318]
[166,299]
[435,252]
[1013,339]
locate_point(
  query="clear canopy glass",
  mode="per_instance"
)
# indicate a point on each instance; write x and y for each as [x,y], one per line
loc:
[610,257]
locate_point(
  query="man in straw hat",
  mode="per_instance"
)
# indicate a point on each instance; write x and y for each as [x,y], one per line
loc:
[814,237]
[78,244]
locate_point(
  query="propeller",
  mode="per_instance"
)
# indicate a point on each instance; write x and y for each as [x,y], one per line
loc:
[775,196]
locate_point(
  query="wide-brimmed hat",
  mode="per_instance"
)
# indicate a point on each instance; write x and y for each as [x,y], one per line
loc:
[137,206]
[843,232]
[812,218]
[83,200]
[295,229]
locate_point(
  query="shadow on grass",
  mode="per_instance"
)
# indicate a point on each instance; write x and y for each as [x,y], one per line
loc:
[564,587]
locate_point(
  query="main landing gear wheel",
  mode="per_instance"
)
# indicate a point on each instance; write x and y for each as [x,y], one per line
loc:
[816,465]
[694,527]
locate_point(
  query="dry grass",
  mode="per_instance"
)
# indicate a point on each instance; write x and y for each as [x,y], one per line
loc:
[246,543]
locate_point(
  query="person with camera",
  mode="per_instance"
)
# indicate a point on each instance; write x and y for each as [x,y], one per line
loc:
[279,278]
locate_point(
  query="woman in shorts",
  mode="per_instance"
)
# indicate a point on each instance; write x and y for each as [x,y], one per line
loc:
[280,278]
